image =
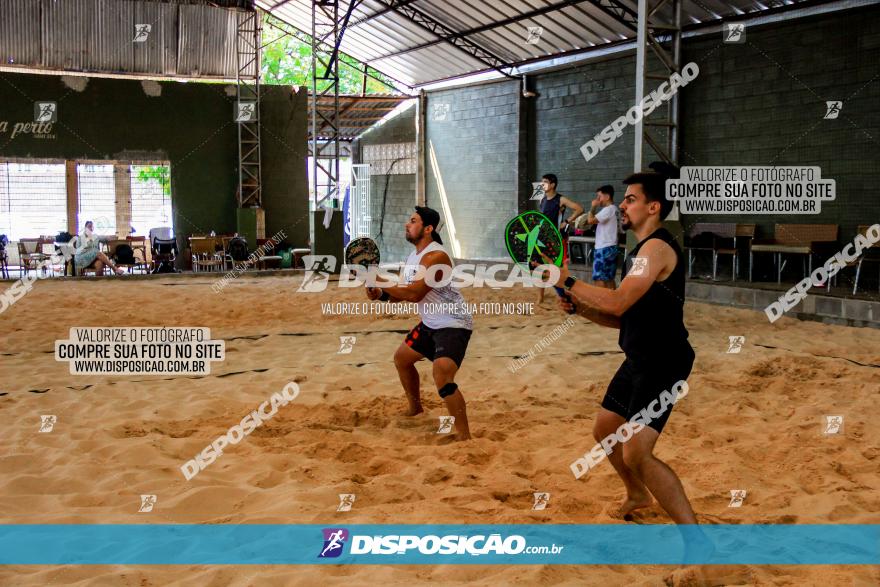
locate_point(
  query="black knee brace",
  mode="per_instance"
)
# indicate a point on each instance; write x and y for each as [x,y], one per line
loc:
[447,389]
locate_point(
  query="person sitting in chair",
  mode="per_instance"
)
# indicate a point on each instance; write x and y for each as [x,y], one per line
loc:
[87,252]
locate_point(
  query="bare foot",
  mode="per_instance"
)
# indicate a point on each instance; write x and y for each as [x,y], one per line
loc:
[710,576]
[413,410]
[450,438]
[632,503]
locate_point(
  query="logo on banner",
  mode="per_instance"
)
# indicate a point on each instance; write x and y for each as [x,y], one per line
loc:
[45,111]
[334,540]
[832,109]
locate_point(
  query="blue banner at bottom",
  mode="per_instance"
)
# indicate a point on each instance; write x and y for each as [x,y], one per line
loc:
[525,544]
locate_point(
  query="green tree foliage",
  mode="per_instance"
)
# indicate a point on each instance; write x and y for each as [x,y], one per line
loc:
[287,60]
[158,173]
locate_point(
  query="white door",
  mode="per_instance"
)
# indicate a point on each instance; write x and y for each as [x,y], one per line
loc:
[361,222]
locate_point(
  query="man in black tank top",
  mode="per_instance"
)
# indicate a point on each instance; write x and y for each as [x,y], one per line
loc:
[554,206]
[647,308]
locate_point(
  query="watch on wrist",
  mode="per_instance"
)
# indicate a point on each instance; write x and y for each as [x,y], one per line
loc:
[569,282]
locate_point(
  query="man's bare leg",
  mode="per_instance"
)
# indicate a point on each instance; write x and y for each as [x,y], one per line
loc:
[405,360]
[637,494]
[657,476]
[666,487]
[444,372]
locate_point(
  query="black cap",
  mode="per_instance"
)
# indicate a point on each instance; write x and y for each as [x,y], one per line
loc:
[430,217]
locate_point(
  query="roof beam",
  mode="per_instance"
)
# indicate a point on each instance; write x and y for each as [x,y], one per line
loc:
[490,26]
[612,8]
[282,3]
[447,35]
[333,56]
[378,13]
[618,11]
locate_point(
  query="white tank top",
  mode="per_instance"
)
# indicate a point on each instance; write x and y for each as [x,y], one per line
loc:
[442,307]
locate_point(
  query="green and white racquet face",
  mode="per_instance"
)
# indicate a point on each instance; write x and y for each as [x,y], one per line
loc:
[528,235]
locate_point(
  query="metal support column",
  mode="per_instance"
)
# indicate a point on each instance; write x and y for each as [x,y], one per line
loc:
[652,34]
[324,127]
[248,110]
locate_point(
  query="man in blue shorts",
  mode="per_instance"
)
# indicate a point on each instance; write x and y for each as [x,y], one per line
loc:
[603,213]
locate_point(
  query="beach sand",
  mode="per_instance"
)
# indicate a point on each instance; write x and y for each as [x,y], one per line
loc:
[752,420]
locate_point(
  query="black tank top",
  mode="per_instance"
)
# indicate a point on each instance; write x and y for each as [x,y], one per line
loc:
[550,208]
[652,330]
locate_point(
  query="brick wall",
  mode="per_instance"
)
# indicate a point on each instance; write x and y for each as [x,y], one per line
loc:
[477,153]
[762,102]
[757,103]
[392,197]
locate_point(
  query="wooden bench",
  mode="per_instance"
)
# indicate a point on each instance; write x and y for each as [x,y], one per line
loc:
[795,239]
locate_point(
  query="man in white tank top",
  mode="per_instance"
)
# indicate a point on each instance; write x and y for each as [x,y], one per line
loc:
[443,334]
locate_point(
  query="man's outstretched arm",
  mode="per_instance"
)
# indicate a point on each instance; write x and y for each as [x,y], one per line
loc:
[591,314]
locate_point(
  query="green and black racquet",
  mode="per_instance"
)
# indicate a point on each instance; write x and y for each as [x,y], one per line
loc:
[531,234]
[362,251]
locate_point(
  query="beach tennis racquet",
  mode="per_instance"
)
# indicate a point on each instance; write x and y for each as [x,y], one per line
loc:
[362,251]
[528,236]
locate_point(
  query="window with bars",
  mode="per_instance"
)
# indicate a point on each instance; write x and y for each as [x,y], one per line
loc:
[150,198]
[33,199]
[97,198]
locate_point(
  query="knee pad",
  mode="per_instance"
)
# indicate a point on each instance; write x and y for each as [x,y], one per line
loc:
[447,389]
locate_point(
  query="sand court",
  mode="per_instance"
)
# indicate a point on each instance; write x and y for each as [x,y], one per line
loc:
[752,420]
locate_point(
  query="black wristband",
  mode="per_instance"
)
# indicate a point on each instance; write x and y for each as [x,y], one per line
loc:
[384,297]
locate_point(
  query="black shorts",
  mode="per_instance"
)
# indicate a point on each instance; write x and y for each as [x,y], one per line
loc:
[442,342]
[636,385]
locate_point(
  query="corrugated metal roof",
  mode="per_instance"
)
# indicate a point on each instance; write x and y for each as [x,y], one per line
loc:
[392,43]
[19,21]
[187,39]
[207,42]
[358,113]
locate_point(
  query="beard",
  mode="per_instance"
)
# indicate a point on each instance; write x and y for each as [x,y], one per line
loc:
[416,238]
[625,223]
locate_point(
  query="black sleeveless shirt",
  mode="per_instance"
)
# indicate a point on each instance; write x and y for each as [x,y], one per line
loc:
[550,208]
[652,330]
